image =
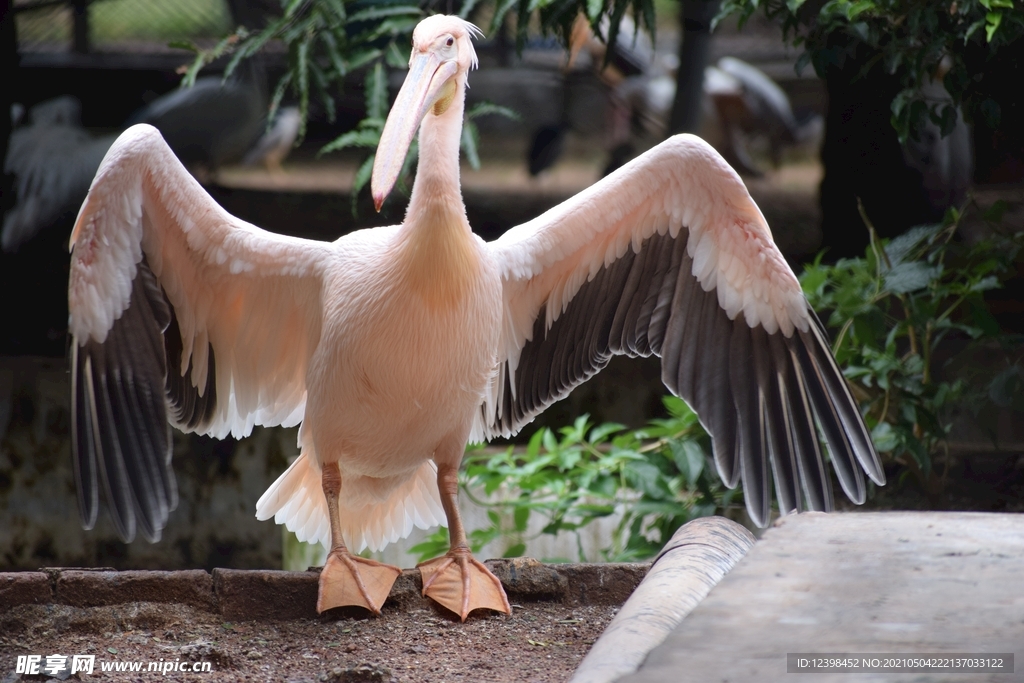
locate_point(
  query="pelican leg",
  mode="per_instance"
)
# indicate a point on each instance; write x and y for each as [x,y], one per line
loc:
[348,579]
[457,580]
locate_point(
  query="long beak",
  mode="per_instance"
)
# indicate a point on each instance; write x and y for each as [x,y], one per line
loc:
[427,76]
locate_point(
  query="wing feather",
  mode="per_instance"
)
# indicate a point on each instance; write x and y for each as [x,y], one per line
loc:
[180,314]
[669,255]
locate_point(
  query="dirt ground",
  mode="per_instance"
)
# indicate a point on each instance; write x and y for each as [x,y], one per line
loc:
[539,642]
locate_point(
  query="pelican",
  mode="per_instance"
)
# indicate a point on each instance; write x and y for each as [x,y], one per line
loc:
[395,346]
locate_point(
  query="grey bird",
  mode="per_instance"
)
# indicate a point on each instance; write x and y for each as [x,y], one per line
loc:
[208,125]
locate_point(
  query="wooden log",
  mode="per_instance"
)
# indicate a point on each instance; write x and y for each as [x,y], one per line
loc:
[691,564]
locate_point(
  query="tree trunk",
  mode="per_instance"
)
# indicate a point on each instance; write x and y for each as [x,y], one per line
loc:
[694,52]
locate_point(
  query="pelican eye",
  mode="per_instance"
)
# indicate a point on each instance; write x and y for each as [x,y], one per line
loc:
[450,41]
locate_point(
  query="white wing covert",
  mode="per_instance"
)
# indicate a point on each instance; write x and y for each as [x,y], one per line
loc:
[181,314]
[670,256]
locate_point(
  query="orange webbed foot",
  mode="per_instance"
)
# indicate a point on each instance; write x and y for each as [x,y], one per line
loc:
[348,579]
[461,583]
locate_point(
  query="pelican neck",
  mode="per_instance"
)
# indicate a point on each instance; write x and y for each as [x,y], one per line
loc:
[437,173]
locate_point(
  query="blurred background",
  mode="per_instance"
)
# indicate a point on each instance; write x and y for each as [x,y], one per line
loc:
[558,102]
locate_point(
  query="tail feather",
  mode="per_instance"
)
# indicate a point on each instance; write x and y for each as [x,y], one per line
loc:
[296,500]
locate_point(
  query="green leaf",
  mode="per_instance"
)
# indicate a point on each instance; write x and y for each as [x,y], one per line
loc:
[434,545]
[361,179]
[594,9]
[549,440]
[992,22]
[516,550]
[857,8]
[911,276]
[395,57]
[904,246]
[646,478]
[302,68]
[183,45]
[376,86]
[467,7]
[499,13]
[367,138]
[337,9]
[189,79]
[678,408]
[521,517]
[803,60]
[392,27]
[469,143]
[974,27]
[689,458]
[487,108]
[533,447]
[994,213]
[279,91]
[380,12]
[884,438]
[600,433]
[360,58]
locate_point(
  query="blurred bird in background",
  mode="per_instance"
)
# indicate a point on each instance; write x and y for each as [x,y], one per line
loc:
[741,106]
[53,160]
[748,104]
[213,123]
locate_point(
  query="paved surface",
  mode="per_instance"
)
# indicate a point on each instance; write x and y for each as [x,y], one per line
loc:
[937,583]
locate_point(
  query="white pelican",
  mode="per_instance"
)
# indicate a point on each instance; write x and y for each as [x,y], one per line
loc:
[395,346]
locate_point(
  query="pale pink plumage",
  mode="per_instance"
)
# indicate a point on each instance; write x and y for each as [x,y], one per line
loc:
[395,345]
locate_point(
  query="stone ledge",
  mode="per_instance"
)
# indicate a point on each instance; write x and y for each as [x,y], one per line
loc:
[83,588]
[24,588]
[243,595]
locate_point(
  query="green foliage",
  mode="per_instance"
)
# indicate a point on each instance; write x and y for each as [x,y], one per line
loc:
[890,311]
[328,40]
[658,478]
[910,39]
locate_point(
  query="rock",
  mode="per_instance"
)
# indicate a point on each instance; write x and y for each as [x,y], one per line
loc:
[526,579]
[205,651]
[363,673]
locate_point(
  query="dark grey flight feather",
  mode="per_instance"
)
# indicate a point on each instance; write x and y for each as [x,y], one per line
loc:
[762,397]
[122,390]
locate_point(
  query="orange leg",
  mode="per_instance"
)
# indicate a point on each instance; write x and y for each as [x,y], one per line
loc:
[348,579]
[457,580]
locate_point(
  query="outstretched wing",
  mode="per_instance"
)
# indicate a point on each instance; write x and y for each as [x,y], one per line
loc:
[670,256]
[180,313]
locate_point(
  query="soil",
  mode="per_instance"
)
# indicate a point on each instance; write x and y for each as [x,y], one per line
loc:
[538,642]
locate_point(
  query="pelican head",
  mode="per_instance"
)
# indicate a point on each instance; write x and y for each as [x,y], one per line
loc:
[442,55]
